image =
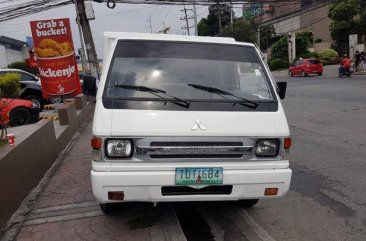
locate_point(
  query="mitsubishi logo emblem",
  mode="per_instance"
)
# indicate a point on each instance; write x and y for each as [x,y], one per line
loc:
[198,125]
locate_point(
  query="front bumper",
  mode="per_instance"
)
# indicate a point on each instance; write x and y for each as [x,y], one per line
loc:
[146,186]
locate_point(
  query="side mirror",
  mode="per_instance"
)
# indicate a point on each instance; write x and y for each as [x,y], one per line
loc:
[282,86]
[89,85]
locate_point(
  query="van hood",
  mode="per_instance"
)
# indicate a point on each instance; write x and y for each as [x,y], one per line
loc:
[134,123]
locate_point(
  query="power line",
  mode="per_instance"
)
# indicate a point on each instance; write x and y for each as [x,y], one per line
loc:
[9,12]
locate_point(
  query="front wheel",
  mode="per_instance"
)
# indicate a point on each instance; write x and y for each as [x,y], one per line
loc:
[303,74]
[20,116]
[320,74]
[248,203]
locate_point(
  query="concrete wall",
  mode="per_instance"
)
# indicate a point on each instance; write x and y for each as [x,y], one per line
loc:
[318,22]
[321,46]
[287,25]
[281,9]
[24,165]
[37,146]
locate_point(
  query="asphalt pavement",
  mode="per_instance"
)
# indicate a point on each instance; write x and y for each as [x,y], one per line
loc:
[326,201]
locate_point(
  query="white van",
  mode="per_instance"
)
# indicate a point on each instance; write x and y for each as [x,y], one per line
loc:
[181,118]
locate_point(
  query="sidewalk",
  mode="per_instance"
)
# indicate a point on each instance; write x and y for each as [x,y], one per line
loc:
[67,210]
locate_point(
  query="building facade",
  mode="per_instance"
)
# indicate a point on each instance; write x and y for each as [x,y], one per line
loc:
[12,50]
[293,16]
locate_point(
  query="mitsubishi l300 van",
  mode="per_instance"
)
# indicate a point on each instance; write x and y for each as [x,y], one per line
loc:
[181,118]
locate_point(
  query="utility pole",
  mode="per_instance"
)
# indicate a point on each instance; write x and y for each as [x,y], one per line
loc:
[88,38]
[150,23]
[218,8]
[195,19]
[186,18]
[231,14]
[185,14]
[82,50]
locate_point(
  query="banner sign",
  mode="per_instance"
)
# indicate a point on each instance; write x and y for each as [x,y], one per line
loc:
[251,10]
[55,57]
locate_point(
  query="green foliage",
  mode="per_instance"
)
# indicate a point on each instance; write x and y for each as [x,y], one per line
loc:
[9,85]
[242,31]
[348,17]
[266,33]
[280,49]
[276,64]
[343,10]
[329,53]
[329,56]
[22,66]
[310,55]
[210,26]
[304,40]
[202,27]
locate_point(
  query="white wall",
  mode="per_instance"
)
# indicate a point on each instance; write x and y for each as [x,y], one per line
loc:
[3,57]
[14,56]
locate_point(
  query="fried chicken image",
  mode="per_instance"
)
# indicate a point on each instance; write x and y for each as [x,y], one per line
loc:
[49,48]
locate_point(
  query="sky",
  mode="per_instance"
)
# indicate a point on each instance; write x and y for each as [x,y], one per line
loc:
[123,18]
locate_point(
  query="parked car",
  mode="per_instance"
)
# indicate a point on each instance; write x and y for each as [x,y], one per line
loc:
[30,85]
[181,118]
[304,67]
[16,112]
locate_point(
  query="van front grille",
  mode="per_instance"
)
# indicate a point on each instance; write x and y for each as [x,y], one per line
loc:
[196,143]
[195,150]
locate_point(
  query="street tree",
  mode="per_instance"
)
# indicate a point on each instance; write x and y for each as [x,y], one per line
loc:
[242,31]
[348,17]
[218,16]
[267,33]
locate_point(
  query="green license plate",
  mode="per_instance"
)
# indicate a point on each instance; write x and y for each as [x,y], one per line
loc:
[202,176]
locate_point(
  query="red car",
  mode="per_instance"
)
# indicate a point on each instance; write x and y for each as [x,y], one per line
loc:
[16,112]
[304,67]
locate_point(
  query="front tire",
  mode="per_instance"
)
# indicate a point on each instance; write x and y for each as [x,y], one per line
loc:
[20,116]
[303,74]
[248,203]
[320,74]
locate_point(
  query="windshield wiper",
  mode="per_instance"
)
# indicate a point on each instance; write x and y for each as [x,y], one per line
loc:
[222,93]
[156,92]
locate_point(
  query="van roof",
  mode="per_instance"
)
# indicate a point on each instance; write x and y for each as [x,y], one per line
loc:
[171,37]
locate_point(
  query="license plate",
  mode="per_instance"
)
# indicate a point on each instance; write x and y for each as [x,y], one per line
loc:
[201,176]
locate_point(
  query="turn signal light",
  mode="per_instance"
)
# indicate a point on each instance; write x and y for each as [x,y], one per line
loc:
[116,195]
[287,143]
[271,191]
[96,143]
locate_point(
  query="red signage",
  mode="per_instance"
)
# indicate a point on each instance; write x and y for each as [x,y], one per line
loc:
[55,57]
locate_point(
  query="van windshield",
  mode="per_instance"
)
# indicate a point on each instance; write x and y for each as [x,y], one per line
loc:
[175,66]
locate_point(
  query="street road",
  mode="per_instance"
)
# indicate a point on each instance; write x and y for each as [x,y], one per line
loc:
[326,201]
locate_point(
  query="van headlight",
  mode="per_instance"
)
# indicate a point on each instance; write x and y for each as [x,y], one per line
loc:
[267,147]
[119,148]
